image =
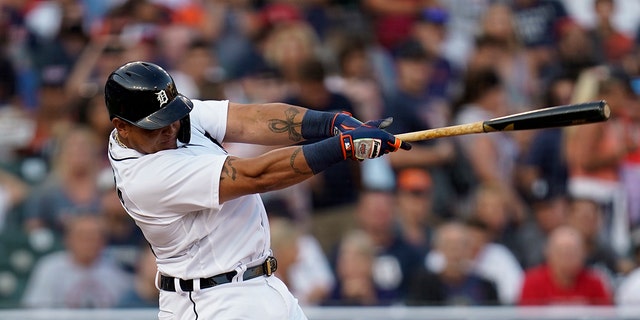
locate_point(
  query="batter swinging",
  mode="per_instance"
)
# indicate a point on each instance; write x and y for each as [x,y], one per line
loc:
[199,207]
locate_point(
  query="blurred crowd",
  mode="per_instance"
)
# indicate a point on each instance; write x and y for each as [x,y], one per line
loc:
[521,218]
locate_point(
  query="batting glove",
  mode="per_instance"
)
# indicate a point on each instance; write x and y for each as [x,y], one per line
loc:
[369,141]
[343,122]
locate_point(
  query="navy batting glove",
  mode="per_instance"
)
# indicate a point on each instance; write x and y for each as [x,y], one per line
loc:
[370,141]
[343,122]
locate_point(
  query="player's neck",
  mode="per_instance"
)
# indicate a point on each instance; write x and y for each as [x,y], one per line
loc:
[119,141]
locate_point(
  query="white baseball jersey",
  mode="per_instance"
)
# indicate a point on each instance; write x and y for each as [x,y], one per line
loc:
[173,196]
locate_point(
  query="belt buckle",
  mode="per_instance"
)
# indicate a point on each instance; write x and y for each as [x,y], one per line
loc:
[270,266]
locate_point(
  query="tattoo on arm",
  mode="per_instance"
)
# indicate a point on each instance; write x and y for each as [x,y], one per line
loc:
[228,170]
[288,125]
[292,162]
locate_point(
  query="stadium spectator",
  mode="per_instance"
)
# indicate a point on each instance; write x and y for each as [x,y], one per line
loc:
[411,106]
[96,118]
[494,262]
[574,51]
[491,206]
[548,212]
[585,216]
[564,279]
[123,237]
[537,22]
[449,278]
[611,44]
[52,115]
[542,169]
[395,260]
[462,27]
[630,171]
[355,285]
[197,71]
[413,109]
[510,58]
[288,46]
[492,157]
[392,22]
[99,57]
[430,30]
[414,190]
[595,153]
[355,78]
[302,265]
[628,291]
[80,276]
[143,292]
[71,188]
[260,82]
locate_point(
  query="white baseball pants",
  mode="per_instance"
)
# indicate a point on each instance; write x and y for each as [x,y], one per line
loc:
[259,298]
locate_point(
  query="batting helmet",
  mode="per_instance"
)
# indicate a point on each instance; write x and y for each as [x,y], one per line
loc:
[144,94]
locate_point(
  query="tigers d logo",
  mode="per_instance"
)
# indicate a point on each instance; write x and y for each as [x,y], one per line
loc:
[162,97]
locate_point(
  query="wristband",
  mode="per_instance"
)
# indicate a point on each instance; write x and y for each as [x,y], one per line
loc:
[317,124]
[323,154]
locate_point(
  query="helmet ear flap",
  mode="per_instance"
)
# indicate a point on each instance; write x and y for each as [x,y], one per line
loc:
[184,134]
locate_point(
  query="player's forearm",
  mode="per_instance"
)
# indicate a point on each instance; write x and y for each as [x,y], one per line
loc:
[279,169]
[271,171]
[276,124]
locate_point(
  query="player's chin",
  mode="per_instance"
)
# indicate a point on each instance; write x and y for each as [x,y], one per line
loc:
[168,144]
[159,146]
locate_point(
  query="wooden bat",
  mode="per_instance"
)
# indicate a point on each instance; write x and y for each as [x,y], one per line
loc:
[559,116]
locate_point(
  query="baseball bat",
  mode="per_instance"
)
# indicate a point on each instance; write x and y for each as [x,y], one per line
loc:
[558,116]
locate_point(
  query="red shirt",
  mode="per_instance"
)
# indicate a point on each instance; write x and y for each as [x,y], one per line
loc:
[539,288]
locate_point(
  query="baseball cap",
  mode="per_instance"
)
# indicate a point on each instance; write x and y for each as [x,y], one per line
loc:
[434,15]
[414,179]
[280,13]
[54,75]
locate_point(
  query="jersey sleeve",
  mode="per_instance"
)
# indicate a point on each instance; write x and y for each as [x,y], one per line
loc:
[210,117]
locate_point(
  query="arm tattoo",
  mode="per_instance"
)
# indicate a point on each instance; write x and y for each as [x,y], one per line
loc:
[292,162]
[228,170]
[289,125]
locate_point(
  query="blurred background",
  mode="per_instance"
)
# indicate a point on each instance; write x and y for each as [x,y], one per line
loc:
[536,218]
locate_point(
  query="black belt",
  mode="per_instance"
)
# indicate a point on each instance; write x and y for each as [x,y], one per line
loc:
[265,269]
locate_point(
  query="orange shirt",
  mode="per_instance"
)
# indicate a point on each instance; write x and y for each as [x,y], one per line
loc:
[609,140]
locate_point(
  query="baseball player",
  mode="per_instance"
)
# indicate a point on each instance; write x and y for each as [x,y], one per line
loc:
[199,207]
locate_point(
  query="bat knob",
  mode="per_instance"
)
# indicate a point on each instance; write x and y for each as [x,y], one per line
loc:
[606,110]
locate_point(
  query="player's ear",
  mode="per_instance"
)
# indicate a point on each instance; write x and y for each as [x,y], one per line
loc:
[120,125]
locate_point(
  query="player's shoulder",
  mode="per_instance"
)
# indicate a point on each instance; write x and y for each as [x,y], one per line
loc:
[200,105]
[208,108]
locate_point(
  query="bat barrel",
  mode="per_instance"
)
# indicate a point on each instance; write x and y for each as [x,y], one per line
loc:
[560,116]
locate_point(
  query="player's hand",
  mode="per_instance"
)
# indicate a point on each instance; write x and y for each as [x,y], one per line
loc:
[369,141]
[344,122]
